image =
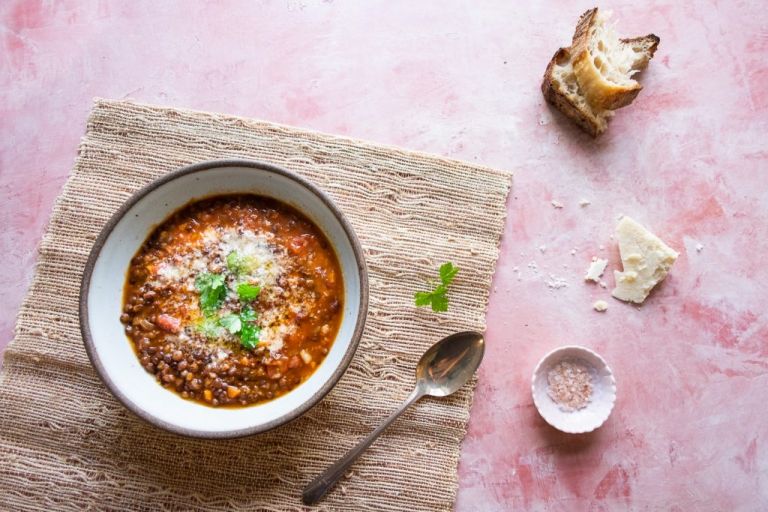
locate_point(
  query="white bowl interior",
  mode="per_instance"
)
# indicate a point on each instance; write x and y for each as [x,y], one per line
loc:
[115,352]
[603,392]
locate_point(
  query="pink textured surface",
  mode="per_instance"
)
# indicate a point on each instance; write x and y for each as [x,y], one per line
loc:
[461,79]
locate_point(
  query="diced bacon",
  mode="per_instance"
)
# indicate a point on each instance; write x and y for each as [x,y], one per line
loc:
[168,323]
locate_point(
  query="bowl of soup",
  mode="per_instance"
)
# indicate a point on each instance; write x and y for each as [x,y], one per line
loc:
[224,299]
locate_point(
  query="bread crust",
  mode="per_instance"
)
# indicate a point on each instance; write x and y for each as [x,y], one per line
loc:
[599,92]
[586,20]
[587,121]
[646,47]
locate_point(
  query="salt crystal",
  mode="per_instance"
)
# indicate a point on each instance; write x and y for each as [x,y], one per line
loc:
[569,385]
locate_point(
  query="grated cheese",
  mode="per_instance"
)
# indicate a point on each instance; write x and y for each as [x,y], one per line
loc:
[265,263]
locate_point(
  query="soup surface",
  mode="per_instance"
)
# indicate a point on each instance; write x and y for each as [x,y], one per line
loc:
[233,300]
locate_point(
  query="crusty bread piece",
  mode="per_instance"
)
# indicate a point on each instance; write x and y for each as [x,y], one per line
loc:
[582,91]
[603,64]
[561,89]
[644,47]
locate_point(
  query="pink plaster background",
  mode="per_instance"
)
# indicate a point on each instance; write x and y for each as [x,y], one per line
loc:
[688,158]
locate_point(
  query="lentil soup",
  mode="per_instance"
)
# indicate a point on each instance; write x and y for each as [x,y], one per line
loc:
[233,300]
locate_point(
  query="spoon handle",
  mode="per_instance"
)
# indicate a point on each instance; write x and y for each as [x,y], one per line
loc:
[320,485]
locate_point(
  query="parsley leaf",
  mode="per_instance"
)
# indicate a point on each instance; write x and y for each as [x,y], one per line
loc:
[249,331]
[247,292]
[423,298]
[447,273]
[439,303]
[235,263]
[249,336]
[437,297]
[241,325]
[209,327]
[212,290]
[247,314]
[240,264]
[232,323]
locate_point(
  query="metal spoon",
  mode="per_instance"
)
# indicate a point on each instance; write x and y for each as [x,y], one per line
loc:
[442,370]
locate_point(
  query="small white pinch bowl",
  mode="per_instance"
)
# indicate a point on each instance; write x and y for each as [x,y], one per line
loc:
[603,391]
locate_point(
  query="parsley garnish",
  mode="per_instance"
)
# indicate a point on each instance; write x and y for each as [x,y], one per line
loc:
[243,326]
[232,323]
[235,263]
[209,327]
[249,331]
[240,264]
[212,290]
[436,298]
[247,292]
[249,336]
[247,314]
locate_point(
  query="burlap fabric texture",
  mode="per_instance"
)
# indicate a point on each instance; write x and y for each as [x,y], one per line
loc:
[67,444]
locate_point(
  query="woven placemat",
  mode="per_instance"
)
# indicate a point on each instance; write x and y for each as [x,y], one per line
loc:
[66,443]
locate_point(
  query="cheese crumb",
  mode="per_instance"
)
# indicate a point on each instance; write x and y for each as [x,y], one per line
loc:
[600,305]
[596,269]
[646,260]
[557,204]
[543,248]
[585,202]
[573,252]
[556,282]
[699,247]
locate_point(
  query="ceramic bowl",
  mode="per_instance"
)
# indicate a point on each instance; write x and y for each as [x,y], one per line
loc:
[603,391]
[101,296]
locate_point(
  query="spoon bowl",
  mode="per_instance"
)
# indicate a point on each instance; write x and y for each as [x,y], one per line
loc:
[450,363]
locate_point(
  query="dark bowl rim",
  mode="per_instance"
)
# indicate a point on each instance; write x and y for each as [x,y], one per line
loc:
[171,176]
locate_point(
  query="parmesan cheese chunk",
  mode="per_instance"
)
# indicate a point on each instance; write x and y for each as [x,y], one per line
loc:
[596,269]
[646,259]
